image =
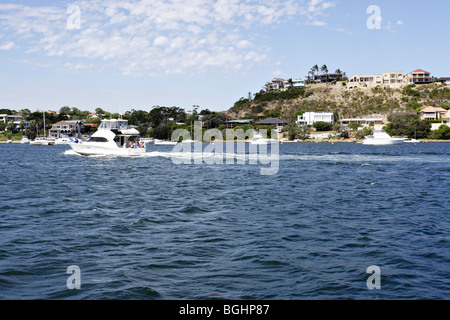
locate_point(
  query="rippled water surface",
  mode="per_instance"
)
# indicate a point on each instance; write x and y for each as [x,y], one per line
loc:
[146,228]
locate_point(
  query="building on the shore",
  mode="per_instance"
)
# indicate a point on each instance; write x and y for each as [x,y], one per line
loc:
[309,118]
[362,121]
[66,128]
[277,123]
[238,122]
[5,118]
[433,113]
[444,79]
[18,122]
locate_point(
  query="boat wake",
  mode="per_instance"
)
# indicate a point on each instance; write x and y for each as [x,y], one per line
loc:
[186,157]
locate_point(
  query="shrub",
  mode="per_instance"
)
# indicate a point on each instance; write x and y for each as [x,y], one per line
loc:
[443,133]
[323,126]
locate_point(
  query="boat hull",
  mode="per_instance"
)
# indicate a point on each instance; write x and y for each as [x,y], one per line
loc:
[375,142]
[94,150]
[39,143]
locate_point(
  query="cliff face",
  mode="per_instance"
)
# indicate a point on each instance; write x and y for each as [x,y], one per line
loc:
[341,98]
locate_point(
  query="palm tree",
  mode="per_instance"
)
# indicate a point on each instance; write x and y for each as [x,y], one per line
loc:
[324,70]
[313,71]
[290,83]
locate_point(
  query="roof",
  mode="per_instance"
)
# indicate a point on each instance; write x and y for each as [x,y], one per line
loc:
[419,70]
[240,121]
[61,122]
[433,109]
[272,121]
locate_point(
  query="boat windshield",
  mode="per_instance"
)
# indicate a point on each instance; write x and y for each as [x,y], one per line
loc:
[97,139]
[113,124]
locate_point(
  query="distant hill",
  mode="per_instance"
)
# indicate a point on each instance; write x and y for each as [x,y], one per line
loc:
[346,102]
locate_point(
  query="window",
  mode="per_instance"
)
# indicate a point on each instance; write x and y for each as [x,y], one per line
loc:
[97,139]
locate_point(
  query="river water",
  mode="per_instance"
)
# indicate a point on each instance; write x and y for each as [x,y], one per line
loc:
[150,228]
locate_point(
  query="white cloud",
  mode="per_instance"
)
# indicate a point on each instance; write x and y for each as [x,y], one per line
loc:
[160,41]
[317,6]
[7,46]
[399,22]
[155,37]
[316,23]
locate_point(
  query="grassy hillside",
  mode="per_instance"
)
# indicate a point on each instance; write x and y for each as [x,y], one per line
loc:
[345,102]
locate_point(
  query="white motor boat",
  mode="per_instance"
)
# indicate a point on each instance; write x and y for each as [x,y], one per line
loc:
[24,140]
[158,142]
[9,141]
[259,139]
[380,137]
[40,141]
[113,137]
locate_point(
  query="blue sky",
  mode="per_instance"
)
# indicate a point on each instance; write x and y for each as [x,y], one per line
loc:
[122,55]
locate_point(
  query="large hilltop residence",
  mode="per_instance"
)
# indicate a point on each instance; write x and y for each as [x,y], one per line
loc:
[328,77]
[395,79]
[419,76]
[282,84]
[383,79]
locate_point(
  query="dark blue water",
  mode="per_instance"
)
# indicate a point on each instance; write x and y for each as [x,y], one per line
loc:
[146,228]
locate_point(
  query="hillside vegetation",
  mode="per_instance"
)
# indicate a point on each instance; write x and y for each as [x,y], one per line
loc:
[343,101]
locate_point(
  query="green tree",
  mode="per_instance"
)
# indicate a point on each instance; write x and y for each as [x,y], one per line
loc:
[443,133]
[407,124]
[322,126]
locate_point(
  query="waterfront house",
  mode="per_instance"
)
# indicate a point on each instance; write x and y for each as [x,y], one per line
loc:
[444,79]
[433,113]
[5,118]
[66,128]
[309,118]
[238,122]
[277,123]
[362,121]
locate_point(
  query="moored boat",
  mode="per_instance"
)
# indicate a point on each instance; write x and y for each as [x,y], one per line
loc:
[39,141]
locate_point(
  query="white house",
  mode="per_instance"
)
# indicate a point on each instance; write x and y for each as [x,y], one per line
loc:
[309,118]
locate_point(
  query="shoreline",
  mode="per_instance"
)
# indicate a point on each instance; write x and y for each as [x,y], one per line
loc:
[282,142]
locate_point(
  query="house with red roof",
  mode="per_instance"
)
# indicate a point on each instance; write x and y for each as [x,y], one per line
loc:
[419,76]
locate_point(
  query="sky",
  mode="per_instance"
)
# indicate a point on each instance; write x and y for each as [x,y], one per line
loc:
[121,55]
